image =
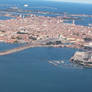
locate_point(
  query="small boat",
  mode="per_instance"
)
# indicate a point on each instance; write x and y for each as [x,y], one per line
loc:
[62,62]
[51,62]
[25,5]
[56,63]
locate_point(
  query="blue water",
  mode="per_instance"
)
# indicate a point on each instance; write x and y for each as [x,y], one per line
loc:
[7,46]
[30,71]
[59,7]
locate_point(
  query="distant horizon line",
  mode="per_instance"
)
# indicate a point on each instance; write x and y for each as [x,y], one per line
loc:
[64,1]
[50,1]
[70,2]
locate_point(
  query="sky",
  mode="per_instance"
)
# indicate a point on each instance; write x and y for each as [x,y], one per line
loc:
[76,1]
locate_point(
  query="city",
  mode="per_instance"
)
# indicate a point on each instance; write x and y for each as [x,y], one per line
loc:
[45,46]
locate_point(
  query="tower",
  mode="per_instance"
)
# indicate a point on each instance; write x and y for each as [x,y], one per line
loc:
[73,22]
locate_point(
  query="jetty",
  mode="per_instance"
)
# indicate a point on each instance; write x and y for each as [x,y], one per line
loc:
[27,46]
[38,43]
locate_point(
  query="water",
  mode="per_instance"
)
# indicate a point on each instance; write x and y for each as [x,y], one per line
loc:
[59,7]
[7,46]
[30,71]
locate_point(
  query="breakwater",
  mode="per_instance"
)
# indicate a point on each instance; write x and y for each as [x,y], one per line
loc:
[10,51]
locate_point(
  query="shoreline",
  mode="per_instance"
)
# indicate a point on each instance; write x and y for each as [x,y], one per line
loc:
[27,46]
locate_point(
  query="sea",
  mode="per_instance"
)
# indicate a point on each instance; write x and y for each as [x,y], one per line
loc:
[35,69]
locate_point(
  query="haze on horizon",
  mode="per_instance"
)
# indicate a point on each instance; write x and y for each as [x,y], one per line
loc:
[74,1]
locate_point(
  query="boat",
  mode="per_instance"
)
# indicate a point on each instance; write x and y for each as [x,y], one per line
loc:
[25,5]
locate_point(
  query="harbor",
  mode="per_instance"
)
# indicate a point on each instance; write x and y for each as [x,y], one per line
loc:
[40,42]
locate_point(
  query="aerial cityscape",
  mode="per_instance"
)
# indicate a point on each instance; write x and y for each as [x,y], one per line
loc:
[45,46]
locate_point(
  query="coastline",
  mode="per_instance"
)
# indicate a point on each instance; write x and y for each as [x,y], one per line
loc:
[27,46]
[45,31]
